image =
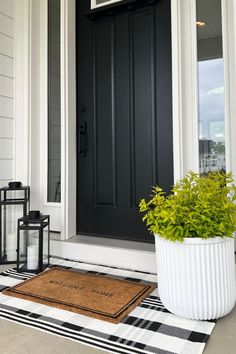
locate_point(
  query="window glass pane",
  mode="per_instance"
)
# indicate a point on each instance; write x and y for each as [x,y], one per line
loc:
[211,86]
[54,102]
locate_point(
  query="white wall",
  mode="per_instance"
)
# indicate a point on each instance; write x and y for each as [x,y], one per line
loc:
[7,99]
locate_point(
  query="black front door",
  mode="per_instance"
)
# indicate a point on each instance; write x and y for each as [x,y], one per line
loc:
[124,115]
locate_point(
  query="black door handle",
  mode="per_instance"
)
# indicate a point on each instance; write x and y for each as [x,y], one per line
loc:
[83,139]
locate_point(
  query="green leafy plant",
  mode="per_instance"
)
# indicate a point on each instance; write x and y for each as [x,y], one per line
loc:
[198,207]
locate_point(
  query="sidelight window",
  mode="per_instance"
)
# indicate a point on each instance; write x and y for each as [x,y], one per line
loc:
[210,86]
[54,103]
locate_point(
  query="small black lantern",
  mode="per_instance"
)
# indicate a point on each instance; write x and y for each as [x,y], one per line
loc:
[14,203]
[33,242]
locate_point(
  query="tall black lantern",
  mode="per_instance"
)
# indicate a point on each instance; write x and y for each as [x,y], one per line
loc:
[14,203]
[33,242]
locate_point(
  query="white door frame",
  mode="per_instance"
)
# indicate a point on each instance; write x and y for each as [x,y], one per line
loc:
[68,119]
[184,87]
[31,98]
[229,53]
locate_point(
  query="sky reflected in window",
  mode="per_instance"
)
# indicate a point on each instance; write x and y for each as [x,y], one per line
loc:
[210,87]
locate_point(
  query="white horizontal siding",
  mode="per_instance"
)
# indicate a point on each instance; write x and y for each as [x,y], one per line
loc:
[6,86]
[6,107]
[6,25]
[6,148]
[6,66]
[6,45]
[6,169]
[6,127]
[4,182]
[7,7]
[7,63]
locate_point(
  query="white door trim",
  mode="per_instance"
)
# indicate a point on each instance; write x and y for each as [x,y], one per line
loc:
[184,87]
[68,119]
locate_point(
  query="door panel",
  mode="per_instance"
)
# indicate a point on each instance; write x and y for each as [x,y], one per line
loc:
[142,119]
[104,119]
[124,97]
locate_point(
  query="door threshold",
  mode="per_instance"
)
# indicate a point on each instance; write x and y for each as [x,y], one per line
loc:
[110,252]
[112,242]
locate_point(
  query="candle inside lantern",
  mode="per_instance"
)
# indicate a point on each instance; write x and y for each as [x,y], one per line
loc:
[32,257]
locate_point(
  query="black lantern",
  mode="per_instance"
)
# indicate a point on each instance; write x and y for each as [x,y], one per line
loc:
[33,242]
[14,203]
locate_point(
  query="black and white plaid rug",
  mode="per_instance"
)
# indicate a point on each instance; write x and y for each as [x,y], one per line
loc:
[149,328]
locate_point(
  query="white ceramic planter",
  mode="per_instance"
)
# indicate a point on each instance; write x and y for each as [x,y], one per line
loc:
[196,279]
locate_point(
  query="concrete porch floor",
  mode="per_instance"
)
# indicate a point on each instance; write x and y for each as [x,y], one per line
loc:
[19,339]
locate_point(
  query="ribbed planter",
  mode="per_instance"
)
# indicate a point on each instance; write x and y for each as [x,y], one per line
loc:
[196,278]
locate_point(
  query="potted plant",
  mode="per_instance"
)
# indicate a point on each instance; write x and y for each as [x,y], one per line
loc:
[193,230]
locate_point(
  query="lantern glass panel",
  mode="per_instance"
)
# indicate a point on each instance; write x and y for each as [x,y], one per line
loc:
[33,247]
[9,245]
[14,204]
[28,249]
[46,238]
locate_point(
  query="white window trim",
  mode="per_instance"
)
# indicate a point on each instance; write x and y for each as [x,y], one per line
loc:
[68,116]
[229,52]
[184,87]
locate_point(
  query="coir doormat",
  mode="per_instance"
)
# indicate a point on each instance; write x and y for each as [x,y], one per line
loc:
[91,295]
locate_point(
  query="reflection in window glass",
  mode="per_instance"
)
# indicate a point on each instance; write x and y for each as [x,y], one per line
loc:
[211,86]
[54,102]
